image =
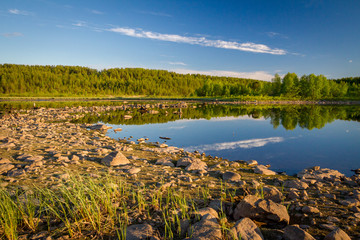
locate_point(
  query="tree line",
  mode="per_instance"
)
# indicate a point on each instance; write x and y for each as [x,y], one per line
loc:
[24,80]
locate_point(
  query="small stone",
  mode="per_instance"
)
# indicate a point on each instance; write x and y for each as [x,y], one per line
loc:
[115,159]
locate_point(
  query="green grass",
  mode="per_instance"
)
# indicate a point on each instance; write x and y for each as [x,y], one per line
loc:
[100,207]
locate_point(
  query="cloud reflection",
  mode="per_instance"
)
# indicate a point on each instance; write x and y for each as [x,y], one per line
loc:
[251,143]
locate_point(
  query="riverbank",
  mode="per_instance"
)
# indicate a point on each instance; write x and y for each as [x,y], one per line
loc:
[63,180]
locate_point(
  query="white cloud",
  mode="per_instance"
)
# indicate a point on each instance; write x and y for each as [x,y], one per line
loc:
[259,75]
[202,41]
[13,34]
[96,12]
[160,14]
[19,12]
[350,61]
[251,143]
[177,63]
[276,34]
[79,24]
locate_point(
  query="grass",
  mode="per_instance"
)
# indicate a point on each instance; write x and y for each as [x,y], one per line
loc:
[100,207]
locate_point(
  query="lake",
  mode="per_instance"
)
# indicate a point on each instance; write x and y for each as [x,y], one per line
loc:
[289,138]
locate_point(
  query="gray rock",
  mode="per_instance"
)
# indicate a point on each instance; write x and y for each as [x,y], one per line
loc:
[184,162]
[5,168]
[231,176]
[208,210]
[207,229]
[294,232]
[252,162]
[134,170]
[296,183]
[245,229]
[309,209]
[337,234]
[273,194]
[139,231]
[165,162]
[197,165]
[261,169]
[115,159]
[320,174]
[261,210]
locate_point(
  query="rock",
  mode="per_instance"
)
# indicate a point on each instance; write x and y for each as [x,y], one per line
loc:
[101,127]
[208,210]
[273,194]
[115,159]
[4,161]
[231,177]
[184,162]
[5,168]
[134,170]
[196,165]
[245,229]
[296,183]
[293,232]
[337,234]
[309,209]
[252,162]
[320,174]
[16,172]
[117,130]
[261,169]
[165,162]
[350,202]
[139,231]
[261,210]
[207,229]
[293,195]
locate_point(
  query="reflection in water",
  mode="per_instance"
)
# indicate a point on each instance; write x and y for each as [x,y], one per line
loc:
[251,143]
[289,116]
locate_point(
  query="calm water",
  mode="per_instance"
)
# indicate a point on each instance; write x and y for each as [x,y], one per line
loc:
[288,138]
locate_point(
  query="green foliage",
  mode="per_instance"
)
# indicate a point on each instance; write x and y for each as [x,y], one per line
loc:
[60,81]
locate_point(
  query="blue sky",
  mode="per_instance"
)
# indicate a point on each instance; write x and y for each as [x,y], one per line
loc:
[253,39]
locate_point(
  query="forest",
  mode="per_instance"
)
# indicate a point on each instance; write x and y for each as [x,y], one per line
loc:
[58,81]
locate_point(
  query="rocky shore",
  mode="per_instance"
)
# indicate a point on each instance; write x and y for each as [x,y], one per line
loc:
[183,194]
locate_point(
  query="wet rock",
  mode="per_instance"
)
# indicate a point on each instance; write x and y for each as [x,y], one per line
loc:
[337,234]
[231,177]
[261,210]
[261,169]
[294,232]
[115,159]
[245,229]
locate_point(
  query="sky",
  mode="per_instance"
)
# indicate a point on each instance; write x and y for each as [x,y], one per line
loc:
[250,39]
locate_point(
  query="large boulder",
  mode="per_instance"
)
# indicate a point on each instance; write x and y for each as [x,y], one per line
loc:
[273,194]
[263,210]
[245,229]
[115,159]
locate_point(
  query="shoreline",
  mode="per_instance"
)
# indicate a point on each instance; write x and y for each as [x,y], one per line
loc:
[44,148]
